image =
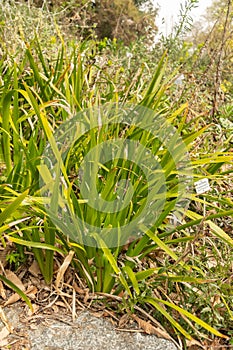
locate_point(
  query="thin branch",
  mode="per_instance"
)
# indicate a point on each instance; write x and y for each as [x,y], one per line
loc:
[220,63]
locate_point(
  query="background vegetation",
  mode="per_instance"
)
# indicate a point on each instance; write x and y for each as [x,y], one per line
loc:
[58,58]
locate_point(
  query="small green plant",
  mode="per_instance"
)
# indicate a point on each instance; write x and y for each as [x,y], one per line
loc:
[15,259]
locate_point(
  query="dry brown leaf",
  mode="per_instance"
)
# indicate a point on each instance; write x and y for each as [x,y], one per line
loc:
[60,303]
[87,296]
[77,289]
[5,321]
[11,276]
[121,294]
[2,291]
[4,333]
[107,313]
[3,255]
[31,292]
[35,308]
[3,342]
[34,269]
[12,299]
[55,308]
[123,320]
[98,314]
[193,342]
[150,329]
[63,268]
[215,300]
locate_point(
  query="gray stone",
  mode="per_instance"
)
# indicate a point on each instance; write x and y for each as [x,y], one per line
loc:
[86,333]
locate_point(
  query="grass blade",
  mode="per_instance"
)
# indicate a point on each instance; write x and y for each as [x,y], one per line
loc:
[17,290]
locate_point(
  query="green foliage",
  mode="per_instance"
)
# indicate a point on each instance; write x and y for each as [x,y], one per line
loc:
[111,19]
[174,42]
[19,23]
[140,2]
[43,87]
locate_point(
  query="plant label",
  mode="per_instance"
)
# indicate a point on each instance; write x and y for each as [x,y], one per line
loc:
[202,186]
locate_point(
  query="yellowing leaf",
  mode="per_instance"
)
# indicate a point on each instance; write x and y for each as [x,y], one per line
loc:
[220,233]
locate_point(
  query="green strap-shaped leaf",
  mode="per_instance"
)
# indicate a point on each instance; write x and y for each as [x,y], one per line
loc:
[113,262]
[35,244]
[12,207]
[155,303]
[6,136]
[17,290]
[220,233]
[132,277]
[203,324]
[160,243]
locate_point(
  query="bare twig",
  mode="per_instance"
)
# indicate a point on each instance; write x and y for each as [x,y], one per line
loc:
[220,63]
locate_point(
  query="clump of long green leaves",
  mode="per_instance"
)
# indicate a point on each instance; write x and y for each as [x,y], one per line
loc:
[34,103]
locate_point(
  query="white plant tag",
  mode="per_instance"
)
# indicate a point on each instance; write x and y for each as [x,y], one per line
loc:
[202,186]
